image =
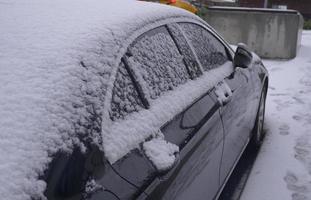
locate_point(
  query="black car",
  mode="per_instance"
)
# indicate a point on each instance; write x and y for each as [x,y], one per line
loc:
[180,108]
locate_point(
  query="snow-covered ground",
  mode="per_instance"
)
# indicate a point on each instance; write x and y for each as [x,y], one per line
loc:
[282,170]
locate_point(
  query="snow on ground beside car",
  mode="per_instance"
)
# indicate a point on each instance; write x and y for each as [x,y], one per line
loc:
[48,95]
[282,170]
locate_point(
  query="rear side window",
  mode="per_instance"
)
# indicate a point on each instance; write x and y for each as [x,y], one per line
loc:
[125,98]
[158,60]
[209,50]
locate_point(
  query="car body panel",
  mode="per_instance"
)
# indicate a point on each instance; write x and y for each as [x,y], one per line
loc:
[236,119]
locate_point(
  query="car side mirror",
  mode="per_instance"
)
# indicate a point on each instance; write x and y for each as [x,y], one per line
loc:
[243,56]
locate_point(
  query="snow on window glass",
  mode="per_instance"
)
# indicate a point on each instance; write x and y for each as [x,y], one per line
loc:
[190,59]
[211,53]
[125,98]
[159,62]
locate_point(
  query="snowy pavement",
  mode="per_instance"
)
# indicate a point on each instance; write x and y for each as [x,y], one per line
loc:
[282,170]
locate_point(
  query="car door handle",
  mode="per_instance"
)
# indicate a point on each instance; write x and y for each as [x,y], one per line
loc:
[225,100]
[223,93]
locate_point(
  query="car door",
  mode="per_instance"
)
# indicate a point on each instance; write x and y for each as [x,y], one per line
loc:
[232,92]
[237,120]
[161,68]
[237,89]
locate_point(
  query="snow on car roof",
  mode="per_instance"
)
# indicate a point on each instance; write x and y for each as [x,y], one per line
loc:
[56,61]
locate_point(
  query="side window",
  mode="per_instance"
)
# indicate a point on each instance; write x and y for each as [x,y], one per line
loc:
[186,50]
[210,51]
[125,98]
[156,57]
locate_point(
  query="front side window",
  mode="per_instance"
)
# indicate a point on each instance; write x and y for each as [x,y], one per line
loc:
[209,50]
[125,98]
[156,57]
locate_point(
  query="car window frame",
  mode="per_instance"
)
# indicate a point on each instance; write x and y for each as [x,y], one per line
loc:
[133,38]
[143,94]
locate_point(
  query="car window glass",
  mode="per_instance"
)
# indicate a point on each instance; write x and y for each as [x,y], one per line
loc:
[209,50]
[186,50]
[159,62]
[125,98]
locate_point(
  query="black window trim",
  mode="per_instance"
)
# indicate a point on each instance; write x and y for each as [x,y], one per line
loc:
[135,82]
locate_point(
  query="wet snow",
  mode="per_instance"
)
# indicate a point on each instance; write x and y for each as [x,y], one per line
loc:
[283,167]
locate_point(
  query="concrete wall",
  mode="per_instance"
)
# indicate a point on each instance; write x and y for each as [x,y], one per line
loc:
[270,33]
[303,6]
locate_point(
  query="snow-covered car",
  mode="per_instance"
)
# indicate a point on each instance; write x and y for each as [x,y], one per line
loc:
[121,100]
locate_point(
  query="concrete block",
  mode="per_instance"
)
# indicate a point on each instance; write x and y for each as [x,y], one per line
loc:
[272,34]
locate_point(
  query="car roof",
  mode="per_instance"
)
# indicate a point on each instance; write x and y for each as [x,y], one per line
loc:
[56,62]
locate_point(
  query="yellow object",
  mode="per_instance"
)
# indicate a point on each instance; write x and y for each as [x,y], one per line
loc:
[181,4]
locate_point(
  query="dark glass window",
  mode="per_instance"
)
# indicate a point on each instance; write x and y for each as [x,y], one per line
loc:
[159,62]
[209,50]
[125,98]
[185,49]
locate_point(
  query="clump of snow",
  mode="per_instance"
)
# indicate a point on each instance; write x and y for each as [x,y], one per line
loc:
[223,92]
[161,152]
[57,60]
[91,186]
[121,137]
